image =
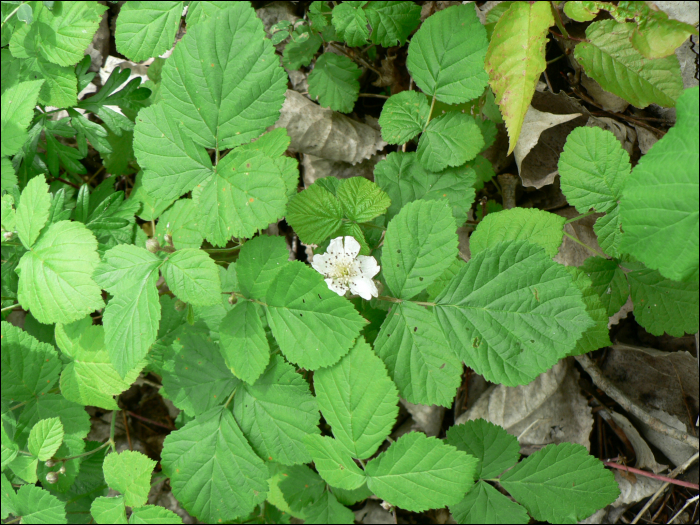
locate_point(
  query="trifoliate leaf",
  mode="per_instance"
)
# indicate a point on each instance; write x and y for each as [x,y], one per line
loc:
[243,343]
[277,413]
[129,472]
[537,226]
[193,276]
[492,445]
[147,30]
[449,140]
[608,281]
[598,335]
[182,224]
[33,210]
[334,82]
[404,116]
[36,505]
[419,358]
[45,438]
[300,52]
[18,104]
[327,509]
[315,214]
[663,238]
[484,504]
[561,483]
[333,462]
[213,472]
[607,58]
[55,278]
[511,313]
[361,199]
[446,55]
[259,262]
[420,243]
[224,98]
[153,514]
[662,305]
[108,510]
[418,473]
[515,60]
[392,22]
[358,399]
[313,326]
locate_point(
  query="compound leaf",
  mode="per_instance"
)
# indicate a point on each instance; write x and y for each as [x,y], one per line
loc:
[484,504]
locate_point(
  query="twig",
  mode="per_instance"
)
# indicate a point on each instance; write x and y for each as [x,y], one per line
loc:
[558,21]
[546,77]
[64,181]
[644,473]
[687,503]
[611,390]
[126,427]
[146,420]
[372,95]
[508,185]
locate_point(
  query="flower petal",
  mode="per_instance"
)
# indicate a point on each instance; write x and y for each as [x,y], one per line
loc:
[365,288]
[368,265]
[336,247]
[352,247]
[336,286]
[321,263]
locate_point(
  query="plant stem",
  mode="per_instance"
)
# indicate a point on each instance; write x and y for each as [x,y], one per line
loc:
[111,431]
[5,21]
[103,445]
[7,308]
[558,21]
[221,250]
[430,114]
[586,246]
[230,398]
[651,475]
[588,213]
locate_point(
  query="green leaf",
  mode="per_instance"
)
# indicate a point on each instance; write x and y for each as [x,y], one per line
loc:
[193,276]
[361,199]
[404,116]
[259,262]
[536,226]
[315,214]
[561,483]
[350,497]
[299,53]
[420,244]
[334,82]
[327,510]
[350,22]
[492,445]
[658,36]
[9,497]
[36,505]
[484,504]
[446,55]
[45,438]
[441,282]
[24,467]
[392,22]
[663,238]
[181,223]
[147,29]
[449,140]
[108,510]
[201,11]
[515,60]
[195,376]
[419,358]
[153,514]
[301,487]
[33,210]
[608,282]
[662,305]
[277,413]
[29,368]
[18,104]
[129,472]
[55,278]
[9,178]
[213,472]
[25,14]
[609,59]
[223,83]
[243,343]
[157,137]
[598,335]
[333,462]
[313,326]
[608,229]
[246,193]
[152,207]
[358,399]
[10,449]
[418,473]
[511,313]
[60,86]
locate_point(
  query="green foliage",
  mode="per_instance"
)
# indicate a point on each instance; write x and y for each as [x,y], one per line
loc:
[146,29]
[334,82]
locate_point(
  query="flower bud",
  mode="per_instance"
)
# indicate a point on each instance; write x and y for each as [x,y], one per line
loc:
[52,477]
[62,470]
[49,463]
[232,299]
[152,245]
[180,305]
[8,235]
[168,238]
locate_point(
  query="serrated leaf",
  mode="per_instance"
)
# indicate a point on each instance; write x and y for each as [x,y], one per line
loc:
[439,284]
[446,55]
[198,12]
[418,357]
[327,510]
[243,343]
[214,473]
[662,305]
[515,60]
[404,116]
[60,86]
[361,199]
[223,99]
[449,140]
[33,210]
[9,451]
[608,230]
[536,226]
[315,214]
[9,177]
[259,262]
[8,495]
[561,483]
[181,222]
[25,467]
[45,438]
[511,313]
[18,104]
[418,473]
[420,243]
[129,472]
[334,82]
[313,326]
[299,53]
[598,335]
[146,30]
[358,399]
[392,22]
[55,278]
[153,514]
[663,238]
[350,22]
[333,462]
[192,275]
[36,505]
[608,282]
[608,58]
[277,413]
[108,510]
[492,445]
[484,504]
[350,497]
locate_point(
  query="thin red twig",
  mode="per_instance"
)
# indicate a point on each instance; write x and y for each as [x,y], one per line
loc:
[145,419]
[651,475]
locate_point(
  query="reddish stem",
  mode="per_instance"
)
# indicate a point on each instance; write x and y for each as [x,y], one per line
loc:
[651,475]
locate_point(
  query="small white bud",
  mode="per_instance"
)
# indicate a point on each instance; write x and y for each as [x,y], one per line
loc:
[52,477]
[50,463]
[152,245]
[62,470]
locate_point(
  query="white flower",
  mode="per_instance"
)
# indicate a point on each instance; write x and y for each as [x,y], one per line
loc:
[345,270]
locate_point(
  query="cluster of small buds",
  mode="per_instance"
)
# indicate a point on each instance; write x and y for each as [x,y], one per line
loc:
[52,477]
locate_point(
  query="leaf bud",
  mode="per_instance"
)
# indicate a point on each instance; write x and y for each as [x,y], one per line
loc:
[49,463]
[152,245]
[180,305]
[52,477]
[62,470]
[232,299]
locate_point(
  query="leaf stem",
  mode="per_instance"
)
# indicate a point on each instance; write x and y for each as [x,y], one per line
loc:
[230,397]
[574,219]
[220,250]
[430,114]
[585,245]
[103,445]
[11,15]
[8,308]
[558,20]
[111,431]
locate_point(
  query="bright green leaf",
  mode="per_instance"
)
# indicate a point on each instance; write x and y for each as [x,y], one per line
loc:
[484,504]
[182,224]
[108,510]
[327,510]
[449,140]
[45,438]
[315,214]
[492,445]
[404,116]
[259,262]
[334,82]
[33,210]
[361,199]
[193,276]
[18,104]
[350,22]
[243,343]
[301,487]
[392,22]
[598,335]
[608,281]
[153,514]
[36,505]
[333,462]
[147,29]
[129,472]
[299,53]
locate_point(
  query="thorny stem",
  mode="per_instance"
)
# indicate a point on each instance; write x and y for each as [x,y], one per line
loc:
[558,21]
[586,246]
